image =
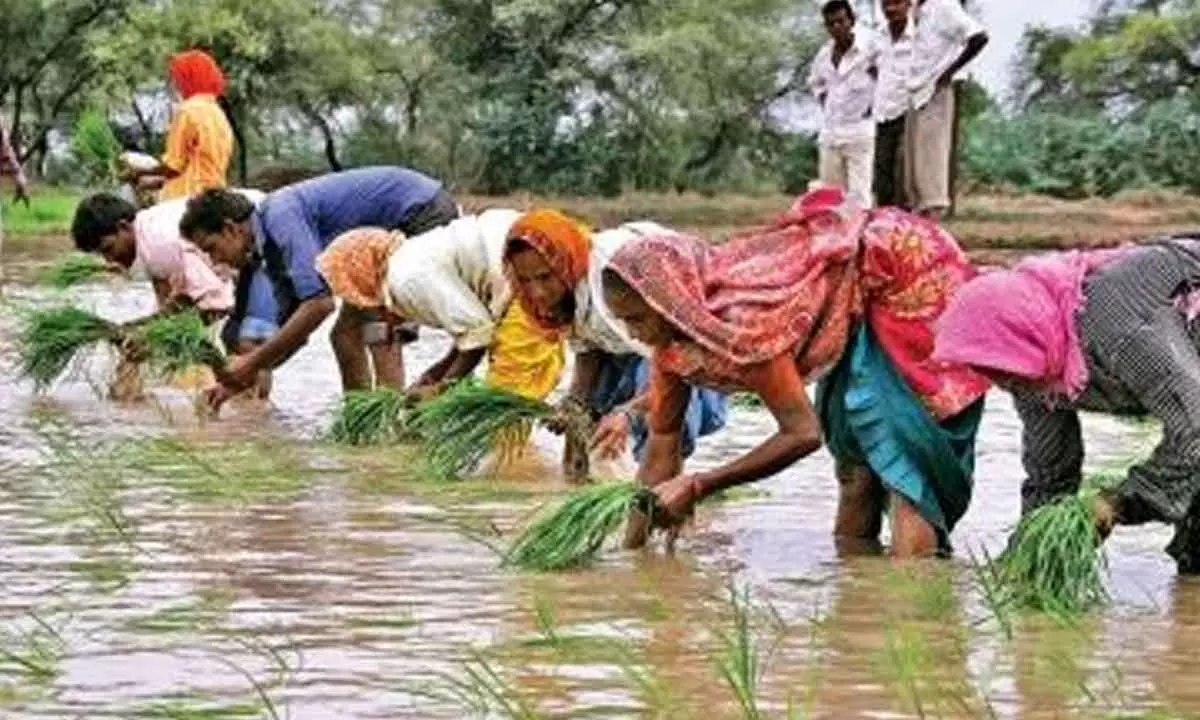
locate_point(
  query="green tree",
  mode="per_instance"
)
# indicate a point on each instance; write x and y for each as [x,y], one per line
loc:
[1131,54]
[48,65]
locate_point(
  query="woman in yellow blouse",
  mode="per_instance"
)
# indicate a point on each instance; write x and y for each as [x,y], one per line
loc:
[200,139]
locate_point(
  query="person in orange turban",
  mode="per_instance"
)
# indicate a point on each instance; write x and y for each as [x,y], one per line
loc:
[200,139]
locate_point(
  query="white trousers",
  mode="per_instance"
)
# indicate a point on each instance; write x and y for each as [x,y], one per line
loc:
[928,141]
[851,167]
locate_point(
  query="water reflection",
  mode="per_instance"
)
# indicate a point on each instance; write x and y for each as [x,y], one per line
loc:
[358,574]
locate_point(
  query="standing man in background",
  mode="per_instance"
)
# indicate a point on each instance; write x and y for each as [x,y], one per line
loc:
[843,80]
[10,164]
[895,63]
[945,40]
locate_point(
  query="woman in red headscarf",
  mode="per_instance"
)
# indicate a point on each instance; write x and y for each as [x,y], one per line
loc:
[200,139]
[831,292]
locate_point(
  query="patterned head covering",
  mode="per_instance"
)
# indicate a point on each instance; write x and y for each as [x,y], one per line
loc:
[194,72]
[759,295]
[1024,321]
[562,242]
[355,265]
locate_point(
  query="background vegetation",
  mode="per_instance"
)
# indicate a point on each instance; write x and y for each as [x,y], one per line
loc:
[586,97]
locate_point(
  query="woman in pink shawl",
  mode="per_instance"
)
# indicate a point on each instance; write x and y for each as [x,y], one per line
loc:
[830,292]
[1109,332]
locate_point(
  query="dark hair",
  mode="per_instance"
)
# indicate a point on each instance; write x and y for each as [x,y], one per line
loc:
[833,6]
[210,210]
[613,282]
[516,245]
[98,216]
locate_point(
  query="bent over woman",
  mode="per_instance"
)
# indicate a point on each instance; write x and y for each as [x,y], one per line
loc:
[1105,331]
[831,292]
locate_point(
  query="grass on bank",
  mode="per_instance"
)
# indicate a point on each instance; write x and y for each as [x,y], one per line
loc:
[983,220]
[49,213]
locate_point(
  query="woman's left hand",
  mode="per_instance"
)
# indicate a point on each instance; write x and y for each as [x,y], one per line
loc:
[133,349]
[677,498]
[421,393]
[609,438]
[239,373]
[216,396]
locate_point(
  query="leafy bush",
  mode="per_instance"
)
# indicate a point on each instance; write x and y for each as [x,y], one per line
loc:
[1081,155]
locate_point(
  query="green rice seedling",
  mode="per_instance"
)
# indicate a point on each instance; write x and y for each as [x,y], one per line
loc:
[463,425]
[906,664]
[479,690]
[72,270]
[748,401]
[739,663]
[51,339]
[1054,563]
[177,341]
[369,417]
[571,534]
[33,655]
[987,574]
[199,708]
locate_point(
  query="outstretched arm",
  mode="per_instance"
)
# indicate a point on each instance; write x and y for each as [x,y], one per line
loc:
[781,388]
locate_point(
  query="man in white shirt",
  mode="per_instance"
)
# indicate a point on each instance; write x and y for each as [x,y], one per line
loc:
[843,80]
[945,40]
[895,61]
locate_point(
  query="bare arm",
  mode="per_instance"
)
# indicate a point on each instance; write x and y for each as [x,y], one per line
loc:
[464,363]
[456,365]
[307,318]
[437,371]
[975,45]
[162,292]
[587,369]
[663,458]
[781,388]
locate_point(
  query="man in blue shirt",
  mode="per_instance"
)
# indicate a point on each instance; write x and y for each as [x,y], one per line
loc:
[282,238]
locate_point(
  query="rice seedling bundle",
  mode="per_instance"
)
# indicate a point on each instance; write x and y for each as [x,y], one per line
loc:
[572,533]
[96,146]
[72,270]
[176,342]
[369,417]
[460,427]
[50,340]
[1054,562]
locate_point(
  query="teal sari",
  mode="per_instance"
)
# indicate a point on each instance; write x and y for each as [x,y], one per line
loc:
[870,417]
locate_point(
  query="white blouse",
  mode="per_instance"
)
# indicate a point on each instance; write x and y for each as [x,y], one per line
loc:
[595,328]
[452,277]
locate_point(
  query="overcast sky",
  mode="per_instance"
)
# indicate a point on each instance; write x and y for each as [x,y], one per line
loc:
[1005,19]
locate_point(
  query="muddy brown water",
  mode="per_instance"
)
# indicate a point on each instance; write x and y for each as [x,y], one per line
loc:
[349,588]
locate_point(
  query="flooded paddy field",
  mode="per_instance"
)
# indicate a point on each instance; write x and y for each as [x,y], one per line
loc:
[156,566]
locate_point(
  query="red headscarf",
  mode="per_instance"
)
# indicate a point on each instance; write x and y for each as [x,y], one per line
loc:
[194,72]
[563,243]
[759,295]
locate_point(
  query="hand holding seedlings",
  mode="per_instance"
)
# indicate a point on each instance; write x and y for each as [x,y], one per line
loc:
[611,436]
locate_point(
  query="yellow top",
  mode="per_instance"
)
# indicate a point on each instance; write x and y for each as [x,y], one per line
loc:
[199,146]
[523,359]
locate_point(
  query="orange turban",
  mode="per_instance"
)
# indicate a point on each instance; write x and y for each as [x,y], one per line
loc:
[194,72]
[562,242]
[355,265]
